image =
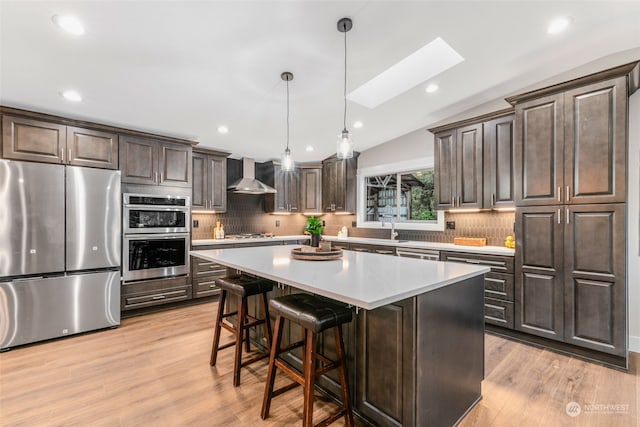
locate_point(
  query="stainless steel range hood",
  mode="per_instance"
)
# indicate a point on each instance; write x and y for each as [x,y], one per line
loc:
[248,184]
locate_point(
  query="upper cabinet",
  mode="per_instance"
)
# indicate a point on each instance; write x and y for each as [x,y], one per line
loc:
[310,188]
[571,145]
[339,184]
[48,142]
[474,162]
[287,185]
[154,162]
[209,180]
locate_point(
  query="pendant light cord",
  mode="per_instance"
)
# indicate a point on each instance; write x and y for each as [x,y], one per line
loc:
[287,114]
[344,92]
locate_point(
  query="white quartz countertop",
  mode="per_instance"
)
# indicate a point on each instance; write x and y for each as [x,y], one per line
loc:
[366,280]
[209,242]
[487,250]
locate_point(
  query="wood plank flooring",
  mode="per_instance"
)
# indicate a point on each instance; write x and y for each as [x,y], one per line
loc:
[153,371]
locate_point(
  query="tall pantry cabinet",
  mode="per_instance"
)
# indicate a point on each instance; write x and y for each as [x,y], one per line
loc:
[570,163]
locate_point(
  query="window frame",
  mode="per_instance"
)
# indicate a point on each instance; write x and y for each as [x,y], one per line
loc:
[394,168]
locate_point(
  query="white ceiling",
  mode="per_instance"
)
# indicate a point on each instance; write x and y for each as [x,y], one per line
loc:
[183,68]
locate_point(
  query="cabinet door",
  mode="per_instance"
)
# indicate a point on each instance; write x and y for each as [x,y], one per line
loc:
[329,181]
[469,166]
[33,140]
[175,165]
[384,385]
[217,183]
[595,143]
[498,162]
[199,180]
[292,186]
[445,170]
[340,186]
[92,148]
[595,277]
[138,160]
[539,142]
[539,294]
[311,190]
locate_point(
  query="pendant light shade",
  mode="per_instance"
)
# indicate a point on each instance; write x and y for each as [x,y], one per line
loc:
[344,147]
[287,160]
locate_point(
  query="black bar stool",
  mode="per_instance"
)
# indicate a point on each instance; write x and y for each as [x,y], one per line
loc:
[242,286]
[314,314]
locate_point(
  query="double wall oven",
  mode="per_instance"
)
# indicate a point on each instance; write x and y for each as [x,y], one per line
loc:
[155,241]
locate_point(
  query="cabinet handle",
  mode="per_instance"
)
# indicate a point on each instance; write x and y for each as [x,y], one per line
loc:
[156,297]
[567,193]
[559,216]
[62,154]
[493,199]
[155,177]
[69,154]
[559,194]
[567,215]
[160,178]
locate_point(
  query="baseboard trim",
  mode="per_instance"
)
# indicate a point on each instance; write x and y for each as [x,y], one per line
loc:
[634,344]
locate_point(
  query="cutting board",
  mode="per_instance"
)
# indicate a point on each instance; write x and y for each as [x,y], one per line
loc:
[470,241]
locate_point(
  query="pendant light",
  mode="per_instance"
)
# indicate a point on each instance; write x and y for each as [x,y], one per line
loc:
[344,148]
[287,161]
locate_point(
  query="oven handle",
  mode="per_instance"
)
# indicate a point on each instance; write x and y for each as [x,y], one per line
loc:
[157,208]
[156,236]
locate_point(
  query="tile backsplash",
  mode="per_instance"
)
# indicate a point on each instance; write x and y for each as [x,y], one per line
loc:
[246,214]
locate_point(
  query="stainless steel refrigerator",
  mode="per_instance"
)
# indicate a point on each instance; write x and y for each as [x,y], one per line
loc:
[60,243]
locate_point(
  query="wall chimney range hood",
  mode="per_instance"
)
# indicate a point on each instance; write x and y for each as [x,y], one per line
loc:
[248,184]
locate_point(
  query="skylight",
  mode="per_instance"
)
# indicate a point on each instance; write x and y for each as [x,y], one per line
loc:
[422,65]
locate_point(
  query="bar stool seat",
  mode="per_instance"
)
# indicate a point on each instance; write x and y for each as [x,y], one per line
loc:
[315,314]
[242,286]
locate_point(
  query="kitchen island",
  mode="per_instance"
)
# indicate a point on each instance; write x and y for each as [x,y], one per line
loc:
[416,351]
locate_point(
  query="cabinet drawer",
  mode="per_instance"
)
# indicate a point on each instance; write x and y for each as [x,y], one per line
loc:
[498,312]
[208,269]
[205,288]
[498,264]
[148,299]
[499,285]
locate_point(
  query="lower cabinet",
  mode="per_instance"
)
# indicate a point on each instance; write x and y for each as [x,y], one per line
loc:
[498,285]
[154,292]
[384,387]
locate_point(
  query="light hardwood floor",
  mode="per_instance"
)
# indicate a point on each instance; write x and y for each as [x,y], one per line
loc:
[153,371]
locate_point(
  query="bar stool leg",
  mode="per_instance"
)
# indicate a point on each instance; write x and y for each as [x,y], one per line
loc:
[239,338]
[344,382]
[309,377]
[267,321]
[244,328]
[216,334]
[271,372]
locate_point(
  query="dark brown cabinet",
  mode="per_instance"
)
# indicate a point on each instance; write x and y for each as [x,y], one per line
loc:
[499,171]
[209,181]
[339,184]
[149,293]
[310,189]
[154,162]
[498,285]
[571,146]
[287,185]
[384,387]
[48,142]
[571,274]
[458,167]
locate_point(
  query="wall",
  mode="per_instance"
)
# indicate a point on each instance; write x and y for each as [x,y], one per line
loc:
[413,145]
[633,223]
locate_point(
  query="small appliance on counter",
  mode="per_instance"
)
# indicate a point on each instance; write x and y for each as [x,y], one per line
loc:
[59,251]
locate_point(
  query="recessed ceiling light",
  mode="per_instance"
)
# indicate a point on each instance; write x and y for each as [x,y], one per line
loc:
[422,65]
[558,25]
[309,148]
[72,95]
[431,88]
[223,129]
[357,124]
[69,23]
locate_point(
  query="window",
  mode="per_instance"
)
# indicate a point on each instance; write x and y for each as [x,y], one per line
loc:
[402,193]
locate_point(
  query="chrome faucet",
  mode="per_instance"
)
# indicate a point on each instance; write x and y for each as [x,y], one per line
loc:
[394,233]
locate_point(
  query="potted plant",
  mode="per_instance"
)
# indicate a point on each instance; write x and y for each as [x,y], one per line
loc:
[314,228]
